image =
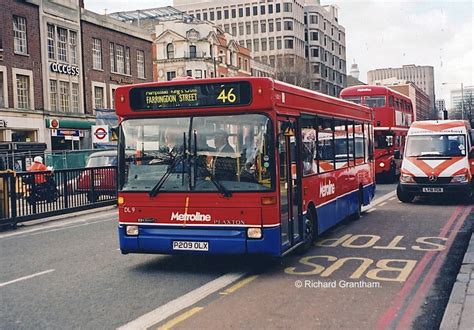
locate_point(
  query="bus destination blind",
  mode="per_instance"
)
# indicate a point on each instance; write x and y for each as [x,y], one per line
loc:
[190,96]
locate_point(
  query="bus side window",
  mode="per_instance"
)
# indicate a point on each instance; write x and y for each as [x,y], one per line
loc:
[325,147]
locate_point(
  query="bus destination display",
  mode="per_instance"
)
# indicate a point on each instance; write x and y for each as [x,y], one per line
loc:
[190,96]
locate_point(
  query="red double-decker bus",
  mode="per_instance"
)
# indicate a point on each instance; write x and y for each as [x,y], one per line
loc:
[237,165]
[393,114]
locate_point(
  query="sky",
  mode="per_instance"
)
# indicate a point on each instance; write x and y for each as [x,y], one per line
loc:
[384,34]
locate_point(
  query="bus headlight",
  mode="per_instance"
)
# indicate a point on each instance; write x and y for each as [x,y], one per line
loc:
[459,178]
[132,230]
[382,164]
[254,233]
[406,178]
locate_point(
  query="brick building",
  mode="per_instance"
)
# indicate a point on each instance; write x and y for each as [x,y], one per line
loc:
[21,98]
[115,54]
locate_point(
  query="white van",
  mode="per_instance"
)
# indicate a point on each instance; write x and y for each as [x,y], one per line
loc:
[438,160]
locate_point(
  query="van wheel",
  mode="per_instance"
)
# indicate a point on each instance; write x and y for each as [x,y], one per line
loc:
[309,233]
[404,197]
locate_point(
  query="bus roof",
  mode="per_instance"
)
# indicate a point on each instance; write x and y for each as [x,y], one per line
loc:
[364,90]
[266,94]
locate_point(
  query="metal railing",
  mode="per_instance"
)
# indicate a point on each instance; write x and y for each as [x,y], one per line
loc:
[26,196]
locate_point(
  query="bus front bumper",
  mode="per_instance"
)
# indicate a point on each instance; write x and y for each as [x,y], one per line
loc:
[159,240]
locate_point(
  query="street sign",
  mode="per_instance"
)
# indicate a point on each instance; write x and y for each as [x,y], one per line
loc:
[100,133]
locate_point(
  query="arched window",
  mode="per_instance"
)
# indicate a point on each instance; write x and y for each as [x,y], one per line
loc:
[170,51]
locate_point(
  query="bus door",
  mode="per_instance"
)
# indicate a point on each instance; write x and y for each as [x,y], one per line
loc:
[290,196]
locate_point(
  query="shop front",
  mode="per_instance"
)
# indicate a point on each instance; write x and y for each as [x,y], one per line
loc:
[69,134]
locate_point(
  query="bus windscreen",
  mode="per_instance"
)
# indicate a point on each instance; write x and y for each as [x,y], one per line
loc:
[190,96]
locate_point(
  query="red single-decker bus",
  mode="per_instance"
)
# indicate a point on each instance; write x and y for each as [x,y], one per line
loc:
[237,165]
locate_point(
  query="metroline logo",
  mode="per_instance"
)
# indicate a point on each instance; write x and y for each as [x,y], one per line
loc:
[327,189]
[198,216]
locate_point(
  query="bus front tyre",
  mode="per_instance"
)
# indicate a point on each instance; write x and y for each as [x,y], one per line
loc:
[403,196]
[309,233]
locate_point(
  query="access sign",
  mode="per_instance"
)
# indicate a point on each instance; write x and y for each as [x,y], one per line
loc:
[100,133]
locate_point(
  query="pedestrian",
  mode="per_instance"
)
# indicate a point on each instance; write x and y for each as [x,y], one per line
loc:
[38,166]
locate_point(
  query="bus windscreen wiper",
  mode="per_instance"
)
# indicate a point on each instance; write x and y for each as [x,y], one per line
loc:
[165,176]
[170,169]
[223,190]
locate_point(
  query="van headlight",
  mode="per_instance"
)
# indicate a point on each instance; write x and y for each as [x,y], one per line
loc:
[459,179]
[407,178]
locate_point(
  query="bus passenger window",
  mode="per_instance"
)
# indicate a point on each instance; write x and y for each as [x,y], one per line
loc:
[325,148]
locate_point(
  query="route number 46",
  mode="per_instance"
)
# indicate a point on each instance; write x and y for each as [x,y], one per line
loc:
[227,96]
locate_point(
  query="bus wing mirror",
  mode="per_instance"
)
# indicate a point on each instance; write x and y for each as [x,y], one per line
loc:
[396,154]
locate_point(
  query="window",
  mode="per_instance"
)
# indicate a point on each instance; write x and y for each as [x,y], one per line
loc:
[51,42]
[234,29]
[255,10]
[288,43]
[375,101]
[263,26]
[255,27]
[234,13]
[278,42]
[198,74]
[169,51]
[198,16]
[99,97]
[170,75]
[262,10]
[315,52]
[226,14]
[189,73]
[204,16]
[141,64]
[264,45]
[288,25]
[287,7]
[192,51]
[241,29]
[270,26]
[325,145]
[255,45]
[120,58]
[96,54]
[314,36]
[75,97]
[277,8]
[53,95]
[313,19]
[73,46]
[247,11]
[211,14]
[278,25]
[248,44]
[248,28]
[341,144]
[62,44]
[112,57]
[241,12]
[127,60]
[270,9]
[23,91]
[271,43]
[64,96]
[20,37]
[219,15]
[2,91]
[316,68]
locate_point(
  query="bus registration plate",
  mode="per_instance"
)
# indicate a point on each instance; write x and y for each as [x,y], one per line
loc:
[190,246]
[433,190]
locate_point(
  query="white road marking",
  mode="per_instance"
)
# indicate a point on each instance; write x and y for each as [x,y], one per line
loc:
[379,200]
[63,225]
[26,277]
[382,204]
[174,306]
[371,210]
[391,199]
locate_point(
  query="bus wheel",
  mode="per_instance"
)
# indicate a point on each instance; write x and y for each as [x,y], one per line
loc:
[309,233]
[360,198]
[404,197]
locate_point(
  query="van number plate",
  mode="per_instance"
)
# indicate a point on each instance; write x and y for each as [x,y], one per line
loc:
[433,190]
[190,246]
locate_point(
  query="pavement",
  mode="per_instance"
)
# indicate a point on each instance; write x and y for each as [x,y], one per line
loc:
[459,313]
